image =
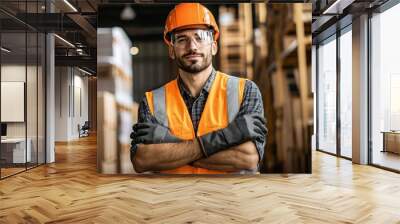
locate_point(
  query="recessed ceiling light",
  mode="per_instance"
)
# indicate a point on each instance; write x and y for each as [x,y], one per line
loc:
[128,13]
[134,50]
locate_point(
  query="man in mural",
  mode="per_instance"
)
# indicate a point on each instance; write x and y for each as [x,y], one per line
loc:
[204,121]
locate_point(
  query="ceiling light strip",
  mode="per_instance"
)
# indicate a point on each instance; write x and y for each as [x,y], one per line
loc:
[5,49]
[84,71]
[70,5]
[64,40]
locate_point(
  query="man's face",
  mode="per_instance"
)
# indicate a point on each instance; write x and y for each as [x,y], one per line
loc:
[193,49]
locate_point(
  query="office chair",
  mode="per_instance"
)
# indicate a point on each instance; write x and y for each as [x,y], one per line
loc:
[84,130]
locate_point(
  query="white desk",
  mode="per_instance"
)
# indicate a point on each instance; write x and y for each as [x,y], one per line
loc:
[17,147]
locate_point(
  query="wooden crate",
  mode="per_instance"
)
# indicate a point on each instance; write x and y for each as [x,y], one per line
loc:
[107,152]
[123,135]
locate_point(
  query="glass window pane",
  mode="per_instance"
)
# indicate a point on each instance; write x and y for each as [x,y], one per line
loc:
[22,63]
[345,94]
[13,86]
[41,98]
[385,88]
[327,96]
[31,97]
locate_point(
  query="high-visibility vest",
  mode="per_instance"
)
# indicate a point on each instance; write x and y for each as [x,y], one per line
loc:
[222,105]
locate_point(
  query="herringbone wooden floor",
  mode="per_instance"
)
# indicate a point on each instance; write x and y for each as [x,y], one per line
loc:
[70,191]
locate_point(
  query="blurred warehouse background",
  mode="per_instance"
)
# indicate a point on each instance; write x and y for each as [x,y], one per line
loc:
[267,43]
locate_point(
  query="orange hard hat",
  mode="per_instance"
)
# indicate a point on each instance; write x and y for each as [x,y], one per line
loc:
[189,15]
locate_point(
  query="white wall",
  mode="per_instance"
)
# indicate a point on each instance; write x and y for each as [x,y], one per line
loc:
[80,109]
[33,126]
[62,81]
[12,73]
[71,94]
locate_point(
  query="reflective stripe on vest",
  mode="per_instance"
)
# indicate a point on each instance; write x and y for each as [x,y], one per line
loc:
[232,97]
[160,112]
[222,106]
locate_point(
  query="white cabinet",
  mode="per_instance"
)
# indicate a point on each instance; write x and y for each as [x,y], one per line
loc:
[16,149]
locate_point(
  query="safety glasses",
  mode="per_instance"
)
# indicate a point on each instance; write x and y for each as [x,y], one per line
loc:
[199,37]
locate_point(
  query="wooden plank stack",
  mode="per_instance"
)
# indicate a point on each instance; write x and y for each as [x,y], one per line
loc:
[107,133]
[236,41]
[283,76]
[232,42]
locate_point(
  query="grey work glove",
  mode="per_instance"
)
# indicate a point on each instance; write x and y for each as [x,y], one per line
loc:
[149,133]
[242,129]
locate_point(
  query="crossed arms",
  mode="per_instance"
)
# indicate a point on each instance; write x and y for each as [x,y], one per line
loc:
[154,157]
[229,149]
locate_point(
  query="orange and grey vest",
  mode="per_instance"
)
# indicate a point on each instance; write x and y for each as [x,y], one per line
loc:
[222,105]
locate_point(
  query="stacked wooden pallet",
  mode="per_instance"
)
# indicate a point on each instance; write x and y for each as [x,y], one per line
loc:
[234,53]
[284,78]
[116,109]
